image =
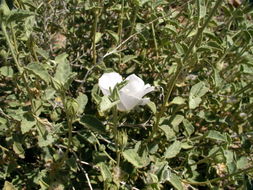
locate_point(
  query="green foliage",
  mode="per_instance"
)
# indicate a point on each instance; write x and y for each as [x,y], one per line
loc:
[92,123]
[39,71]
[197,91]
[57,131]
[172,150]
[132,156]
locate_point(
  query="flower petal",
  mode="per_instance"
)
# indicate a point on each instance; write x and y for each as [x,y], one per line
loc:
[136,79]
[121,107]
[142,92]
[145,101]
[128,102]
[134,85]
[109,80]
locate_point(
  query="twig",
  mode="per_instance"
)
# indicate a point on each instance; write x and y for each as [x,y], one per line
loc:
[83,170]
[218,178]
[3,148]
[141,125]
[131,36]
[119,47]
[128,186]
[170,85]
[6,116]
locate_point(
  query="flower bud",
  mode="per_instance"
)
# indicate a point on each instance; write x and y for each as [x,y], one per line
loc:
[122,138]
[72,106]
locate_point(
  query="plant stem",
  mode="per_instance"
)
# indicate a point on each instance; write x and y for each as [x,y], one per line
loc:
[11,48]
[103,150]
[200,161]
[69,121]
[18,65]
[219,178]
[70,127]
[95,25]
[154,39]
[201,29]
[3,148]
[121,21]
[115,133]
[133,20]
[170,85]
[120,26]
[14,37]
[248,86]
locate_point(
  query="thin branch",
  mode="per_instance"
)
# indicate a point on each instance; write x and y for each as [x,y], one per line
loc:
[204,183]
[83,170]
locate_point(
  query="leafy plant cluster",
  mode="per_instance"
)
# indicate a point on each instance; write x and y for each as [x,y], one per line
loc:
[57,130]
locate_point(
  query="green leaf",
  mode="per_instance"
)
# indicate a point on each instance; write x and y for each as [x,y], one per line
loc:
[163,172]
[19,14]
[128,58]
[42,53]
[229,155]
[72,106]
[216,135]
[176,121]
[197,91]
[44,141]
[18,149]
[247,69]
[98,36]
[114,35]
[152,178]
[105,171]
[202,9]
[8,186]
[173,29]
[54,186]
[188,127]
[152,106]
[217,78]
[27,123]
[71,162]
[106,104]
[93,124]
[175,181]
[82,100]
[6,71]
[173,150]
[49,94]
[178,100]
[186,145]
[214,45]
[133,157]
[242,163]
[4,10]
[3,125]
[39,71]
[63,75]
[194,102]
[230,161]
[94,94]
[169,133]
[63,70]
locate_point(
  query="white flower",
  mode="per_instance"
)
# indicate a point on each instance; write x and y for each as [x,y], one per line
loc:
[130,95]
[107,81]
